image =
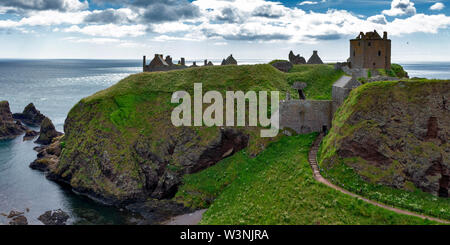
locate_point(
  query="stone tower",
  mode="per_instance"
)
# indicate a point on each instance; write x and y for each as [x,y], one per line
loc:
[370,51]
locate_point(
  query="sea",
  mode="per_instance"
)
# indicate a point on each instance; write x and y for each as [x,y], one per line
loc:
[55,86]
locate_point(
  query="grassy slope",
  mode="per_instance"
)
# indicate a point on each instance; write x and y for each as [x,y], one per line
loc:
[342,175]
[319,78]
[277,187]
[113,120]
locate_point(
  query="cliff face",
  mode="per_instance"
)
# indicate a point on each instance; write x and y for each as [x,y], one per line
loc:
[120,145]
[8,127]
[395,134]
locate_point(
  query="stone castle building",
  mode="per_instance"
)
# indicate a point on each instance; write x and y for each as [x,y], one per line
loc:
[370,51]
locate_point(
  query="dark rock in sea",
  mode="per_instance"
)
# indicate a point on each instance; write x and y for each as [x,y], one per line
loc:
[13,214]
[19,220]
[48,132]
[30,135]
[30,116]
[283,66]
[8,128]
[55,217]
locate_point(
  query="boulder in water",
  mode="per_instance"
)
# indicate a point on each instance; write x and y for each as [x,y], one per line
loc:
[55,217]
[19,220]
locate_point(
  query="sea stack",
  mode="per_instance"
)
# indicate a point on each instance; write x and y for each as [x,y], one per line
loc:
[30,116]
[48,132]
[8,127]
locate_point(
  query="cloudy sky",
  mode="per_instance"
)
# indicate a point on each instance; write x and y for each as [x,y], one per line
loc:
[250,29]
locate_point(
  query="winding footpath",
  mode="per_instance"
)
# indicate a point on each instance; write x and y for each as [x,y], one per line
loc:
[312,158]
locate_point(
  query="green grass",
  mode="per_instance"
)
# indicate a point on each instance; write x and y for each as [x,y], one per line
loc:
[277,187]
[319,78]
[414,200]
[275,61]
[362,101]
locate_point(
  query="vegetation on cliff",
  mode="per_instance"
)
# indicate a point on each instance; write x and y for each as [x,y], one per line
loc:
[120,144]
[277,187]
[389,143]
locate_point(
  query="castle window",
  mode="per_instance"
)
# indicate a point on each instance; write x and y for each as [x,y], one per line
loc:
[354,53]
[359,43]
[379,52]
[369,44]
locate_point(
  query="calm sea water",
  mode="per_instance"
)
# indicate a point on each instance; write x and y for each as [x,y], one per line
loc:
[54,86]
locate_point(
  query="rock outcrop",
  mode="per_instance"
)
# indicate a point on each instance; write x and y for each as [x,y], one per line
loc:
[47,133]
[30,135]
[8,127]
[296,59]
[17,218]
[55,217]
[395,134]
[30,116]
[315,59]
[48,156]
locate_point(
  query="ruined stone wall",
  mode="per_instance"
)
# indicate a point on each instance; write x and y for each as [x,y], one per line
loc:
[305,116]
[339,95]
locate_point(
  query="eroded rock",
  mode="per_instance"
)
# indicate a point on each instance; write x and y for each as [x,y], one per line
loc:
[8,127]
[55,217]
[30,116]
[47,133]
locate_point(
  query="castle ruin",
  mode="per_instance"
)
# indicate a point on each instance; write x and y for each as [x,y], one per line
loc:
[158,63]
[370,51]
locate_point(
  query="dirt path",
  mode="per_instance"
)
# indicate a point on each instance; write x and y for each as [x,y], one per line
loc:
[186,219]
[313,162]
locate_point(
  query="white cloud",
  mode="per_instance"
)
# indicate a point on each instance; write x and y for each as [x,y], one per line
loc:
[52,17]
[378,19]
[171,27]
[401,7]
[437,6]
[109,30]
[307,3]
[165,38]
[75,5]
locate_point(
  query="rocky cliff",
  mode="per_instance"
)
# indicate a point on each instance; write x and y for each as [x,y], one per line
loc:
[120,145]
[395,134]
[8,127]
